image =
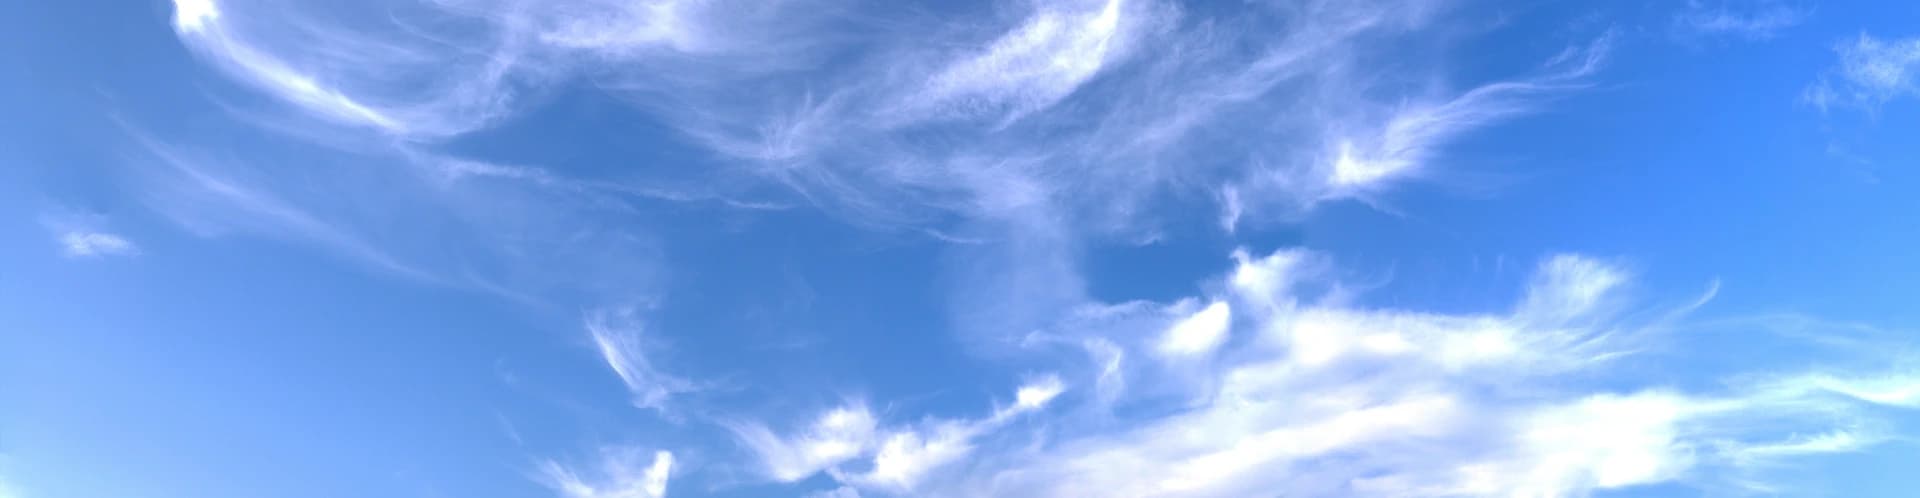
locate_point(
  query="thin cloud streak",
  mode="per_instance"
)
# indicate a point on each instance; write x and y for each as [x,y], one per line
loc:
[1135,98]
[620,339]
[193,195]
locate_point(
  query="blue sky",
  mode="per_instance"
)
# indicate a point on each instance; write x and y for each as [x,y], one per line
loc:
[832,248]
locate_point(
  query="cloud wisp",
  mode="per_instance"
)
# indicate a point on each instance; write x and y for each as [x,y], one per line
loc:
[1746,19]
[86,236]
[619,337]
[87,244]
[1316,395]
[1871,71]
[889,458]
[911,120]
[621,473]
[1031,128]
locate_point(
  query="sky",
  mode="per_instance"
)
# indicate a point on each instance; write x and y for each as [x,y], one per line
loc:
[1008,248]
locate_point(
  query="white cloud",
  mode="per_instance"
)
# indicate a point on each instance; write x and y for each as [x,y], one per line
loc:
[1570,286]
[837,436]
[1750,19]
[623,26]
[1836,441]
[79,243]
[622,343]
[655,480]
[1200,332]
[82,235]
[401,82]
[1414,132]
[1872,71]
[897,459]
[1036,395]
[1029,134]
[193,15]
[1054,51]
[1333,399]
[1082,109]
[906,456]
[620,475]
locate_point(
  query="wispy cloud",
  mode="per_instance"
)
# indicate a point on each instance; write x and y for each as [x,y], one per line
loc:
[1366,158]
[81,235]
[406,85]
[1031,131]
[619,336]
[515,231]
[1200,332]
[1186,100]
[1059,47]
[832,438]
[620,474]
[896,458]
[1317,396]
[194,192]
[1871,72]
[1748,19]
[85,244]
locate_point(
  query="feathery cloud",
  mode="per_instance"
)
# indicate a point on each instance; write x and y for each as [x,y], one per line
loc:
[619,336]
[1134,98]
[1052,123]
[1325,397]
[896,458]
[1872,71]
[621,475]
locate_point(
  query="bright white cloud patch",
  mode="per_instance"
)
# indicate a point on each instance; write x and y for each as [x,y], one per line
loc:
[192,16]
[1200,332]
[837,436]
[1038,394]
[1334,399]
[1061,46]
[620,474]
[896,459]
